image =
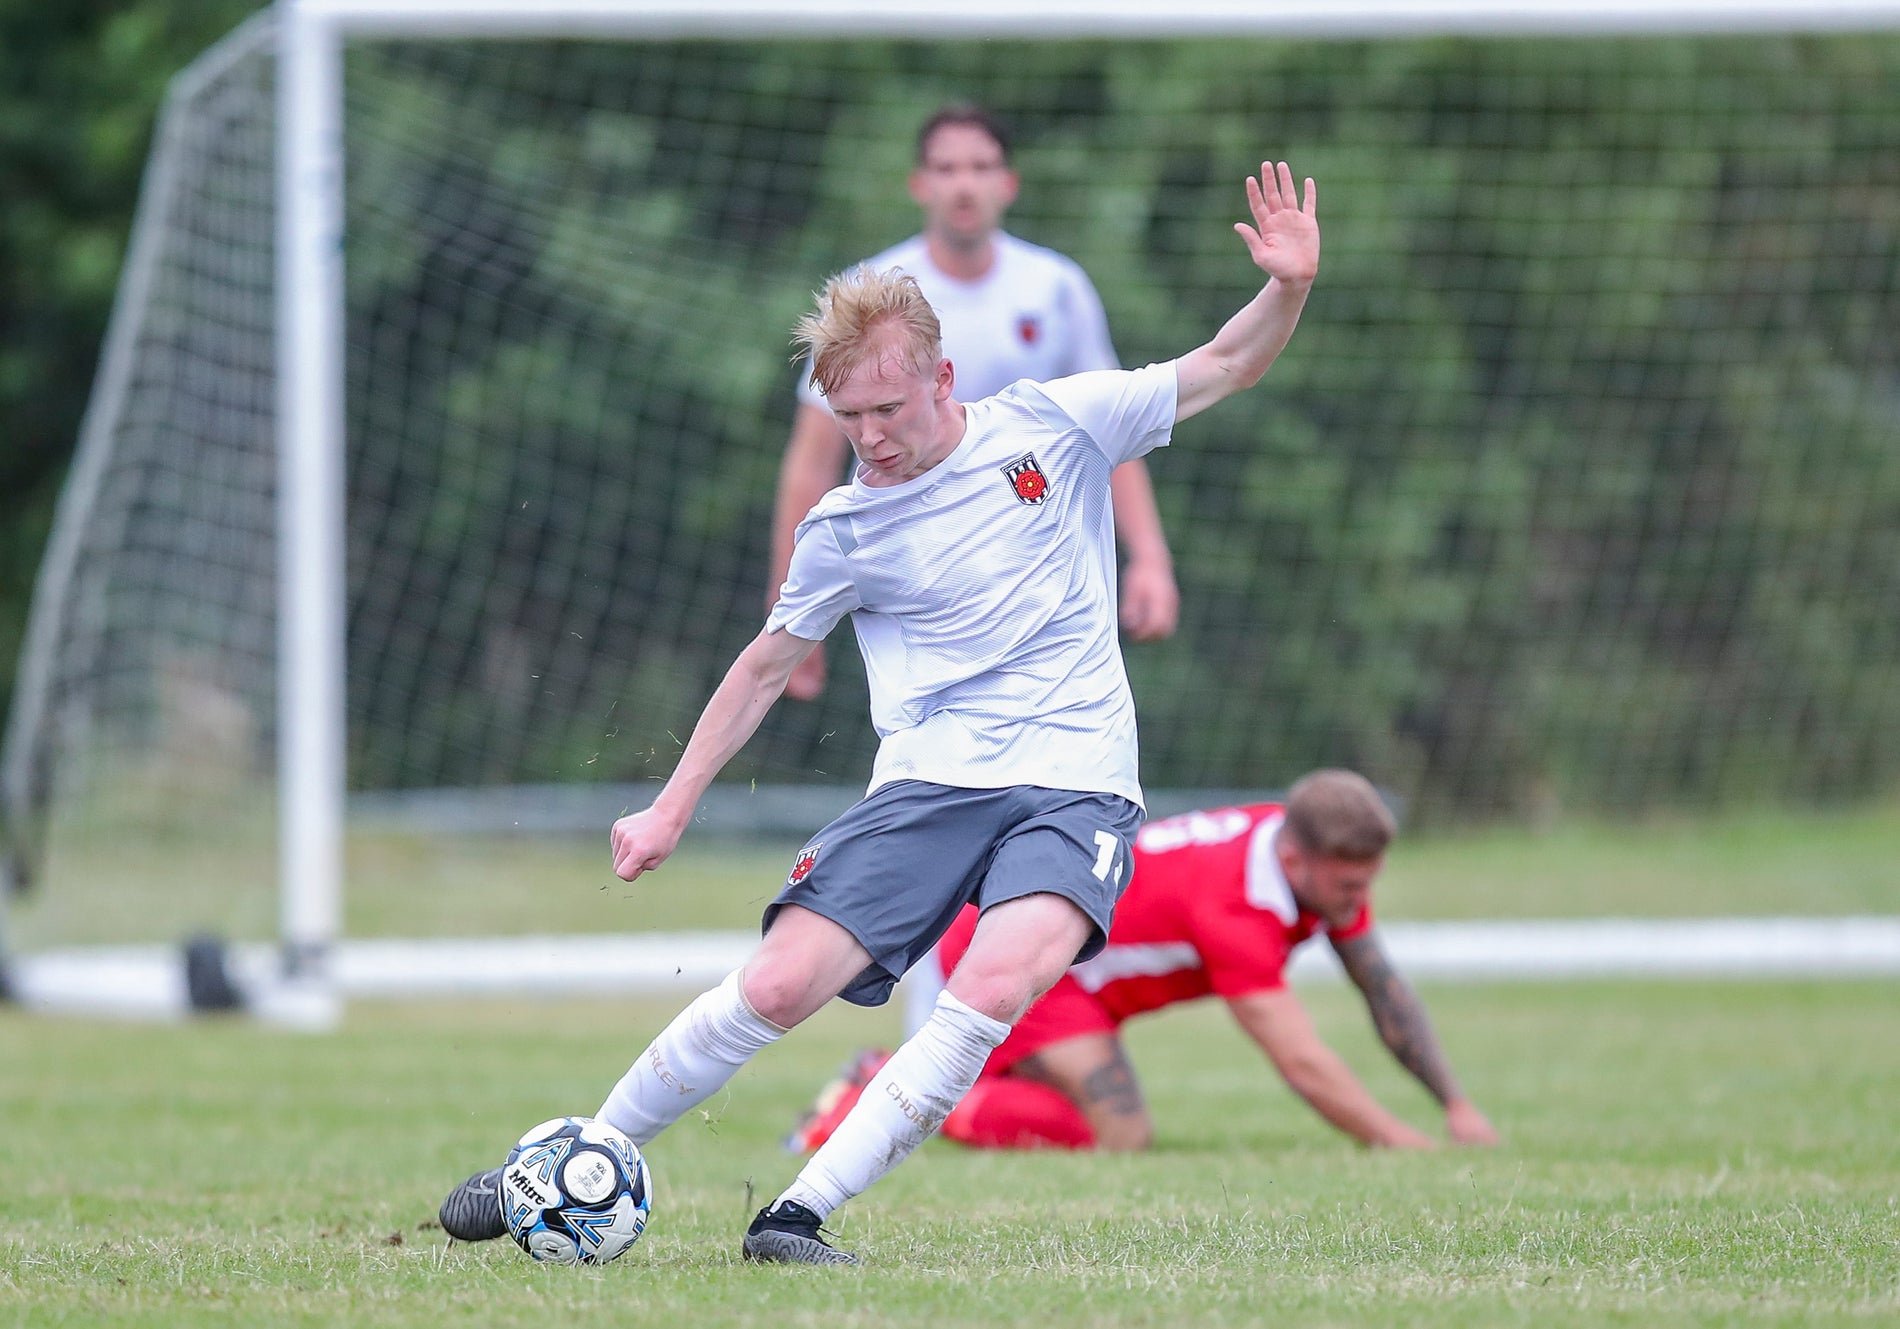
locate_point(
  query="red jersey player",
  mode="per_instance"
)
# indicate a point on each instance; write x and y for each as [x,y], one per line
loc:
[1217,903]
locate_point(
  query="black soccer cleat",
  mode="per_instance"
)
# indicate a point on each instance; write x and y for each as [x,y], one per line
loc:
[787,1233]
[473,1210]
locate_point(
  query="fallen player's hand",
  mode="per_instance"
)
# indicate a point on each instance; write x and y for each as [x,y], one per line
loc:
[1467,1125]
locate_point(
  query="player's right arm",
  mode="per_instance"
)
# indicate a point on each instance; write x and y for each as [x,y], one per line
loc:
[643,841]
[1280,1025]
[814,459]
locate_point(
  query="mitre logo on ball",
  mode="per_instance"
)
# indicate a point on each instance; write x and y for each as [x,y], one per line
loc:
[575,1191]
[802,866]
[1026,480]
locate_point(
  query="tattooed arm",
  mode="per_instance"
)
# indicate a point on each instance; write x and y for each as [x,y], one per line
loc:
[1400,1018]
[1280,1025]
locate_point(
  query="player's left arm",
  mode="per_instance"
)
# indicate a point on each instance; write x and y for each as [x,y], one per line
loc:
[1403,1026]
[1283,243]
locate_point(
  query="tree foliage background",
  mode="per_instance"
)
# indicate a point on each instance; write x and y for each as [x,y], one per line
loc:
[80,86]
[1578,487]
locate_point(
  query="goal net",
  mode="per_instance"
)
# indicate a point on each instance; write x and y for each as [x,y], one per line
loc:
[1577,490]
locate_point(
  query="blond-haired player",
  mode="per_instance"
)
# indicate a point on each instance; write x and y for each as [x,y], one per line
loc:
[974,550]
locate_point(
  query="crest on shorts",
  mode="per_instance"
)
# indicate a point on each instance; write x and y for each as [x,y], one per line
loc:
[1026,480]
[806,861]
[1029,328]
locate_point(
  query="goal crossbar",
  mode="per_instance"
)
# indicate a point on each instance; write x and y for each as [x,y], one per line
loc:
[1104,18]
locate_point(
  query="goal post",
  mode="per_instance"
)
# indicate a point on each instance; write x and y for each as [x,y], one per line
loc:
[311,299]
[312,650]
[478,714]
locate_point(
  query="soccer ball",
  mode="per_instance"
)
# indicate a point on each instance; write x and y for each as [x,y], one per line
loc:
[575,1191]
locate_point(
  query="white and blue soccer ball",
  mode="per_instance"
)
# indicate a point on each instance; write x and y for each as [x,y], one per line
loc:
[575,1191]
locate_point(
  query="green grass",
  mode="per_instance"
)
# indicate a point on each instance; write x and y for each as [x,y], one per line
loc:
[1771,863]
[1676,1154]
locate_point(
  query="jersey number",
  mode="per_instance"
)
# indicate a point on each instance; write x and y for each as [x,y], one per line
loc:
[1105,846]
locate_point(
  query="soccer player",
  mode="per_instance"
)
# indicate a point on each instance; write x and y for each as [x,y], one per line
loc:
[1009,310]
[1217,903]
[974,548]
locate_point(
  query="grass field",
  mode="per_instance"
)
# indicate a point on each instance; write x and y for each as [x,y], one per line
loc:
[1677,1153]
[411,886]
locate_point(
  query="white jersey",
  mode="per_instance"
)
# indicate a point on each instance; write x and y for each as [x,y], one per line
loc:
[1033,315]
[983,591]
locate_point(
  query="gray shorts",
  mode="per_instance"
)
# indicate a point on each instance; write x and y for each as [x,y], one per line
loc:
[894,869]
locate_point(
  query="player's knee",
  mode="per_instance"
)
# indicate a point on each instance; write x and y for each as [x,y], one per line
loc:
[993,992]
[1019,951]
[777,991]
[803,962]
[1123,1133]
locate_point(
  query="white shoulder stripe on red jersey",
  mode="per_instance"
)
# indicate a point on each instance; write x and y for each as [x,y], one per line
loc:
[1266,883]
[1115,963]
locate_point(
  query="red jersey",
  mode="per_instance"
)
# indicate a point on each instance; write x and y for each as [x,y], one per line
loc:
[1208,911]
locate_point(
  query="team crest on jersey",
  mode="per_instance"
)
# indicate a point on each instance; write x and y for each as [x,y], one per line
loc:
[1026,480]
[806,861]
[1029,328]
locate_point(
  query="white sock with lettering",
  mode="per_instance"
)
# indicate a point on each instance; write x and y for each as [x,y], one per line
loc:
[689,1062]
[902,1105]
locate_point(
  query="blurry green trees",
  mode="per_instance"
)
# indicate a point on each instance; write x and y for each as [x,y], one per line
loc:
[1578,487]
[80,83]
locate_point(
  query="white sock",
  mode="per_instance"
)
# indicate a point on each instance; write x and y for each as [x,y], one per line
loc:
[902,1105]
[689,1062]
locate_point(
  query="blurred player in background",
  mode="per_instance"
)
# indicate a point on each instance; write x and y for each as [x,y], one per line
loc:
[1217,904]
[1009,310]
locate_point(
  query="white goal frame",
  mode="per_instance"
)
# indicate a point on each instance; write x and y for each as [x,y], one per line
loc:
[310,37]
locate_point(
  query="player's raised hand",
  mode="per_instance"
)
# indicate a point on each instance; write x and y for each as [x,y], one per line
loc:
[1284,237]
[642,842]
